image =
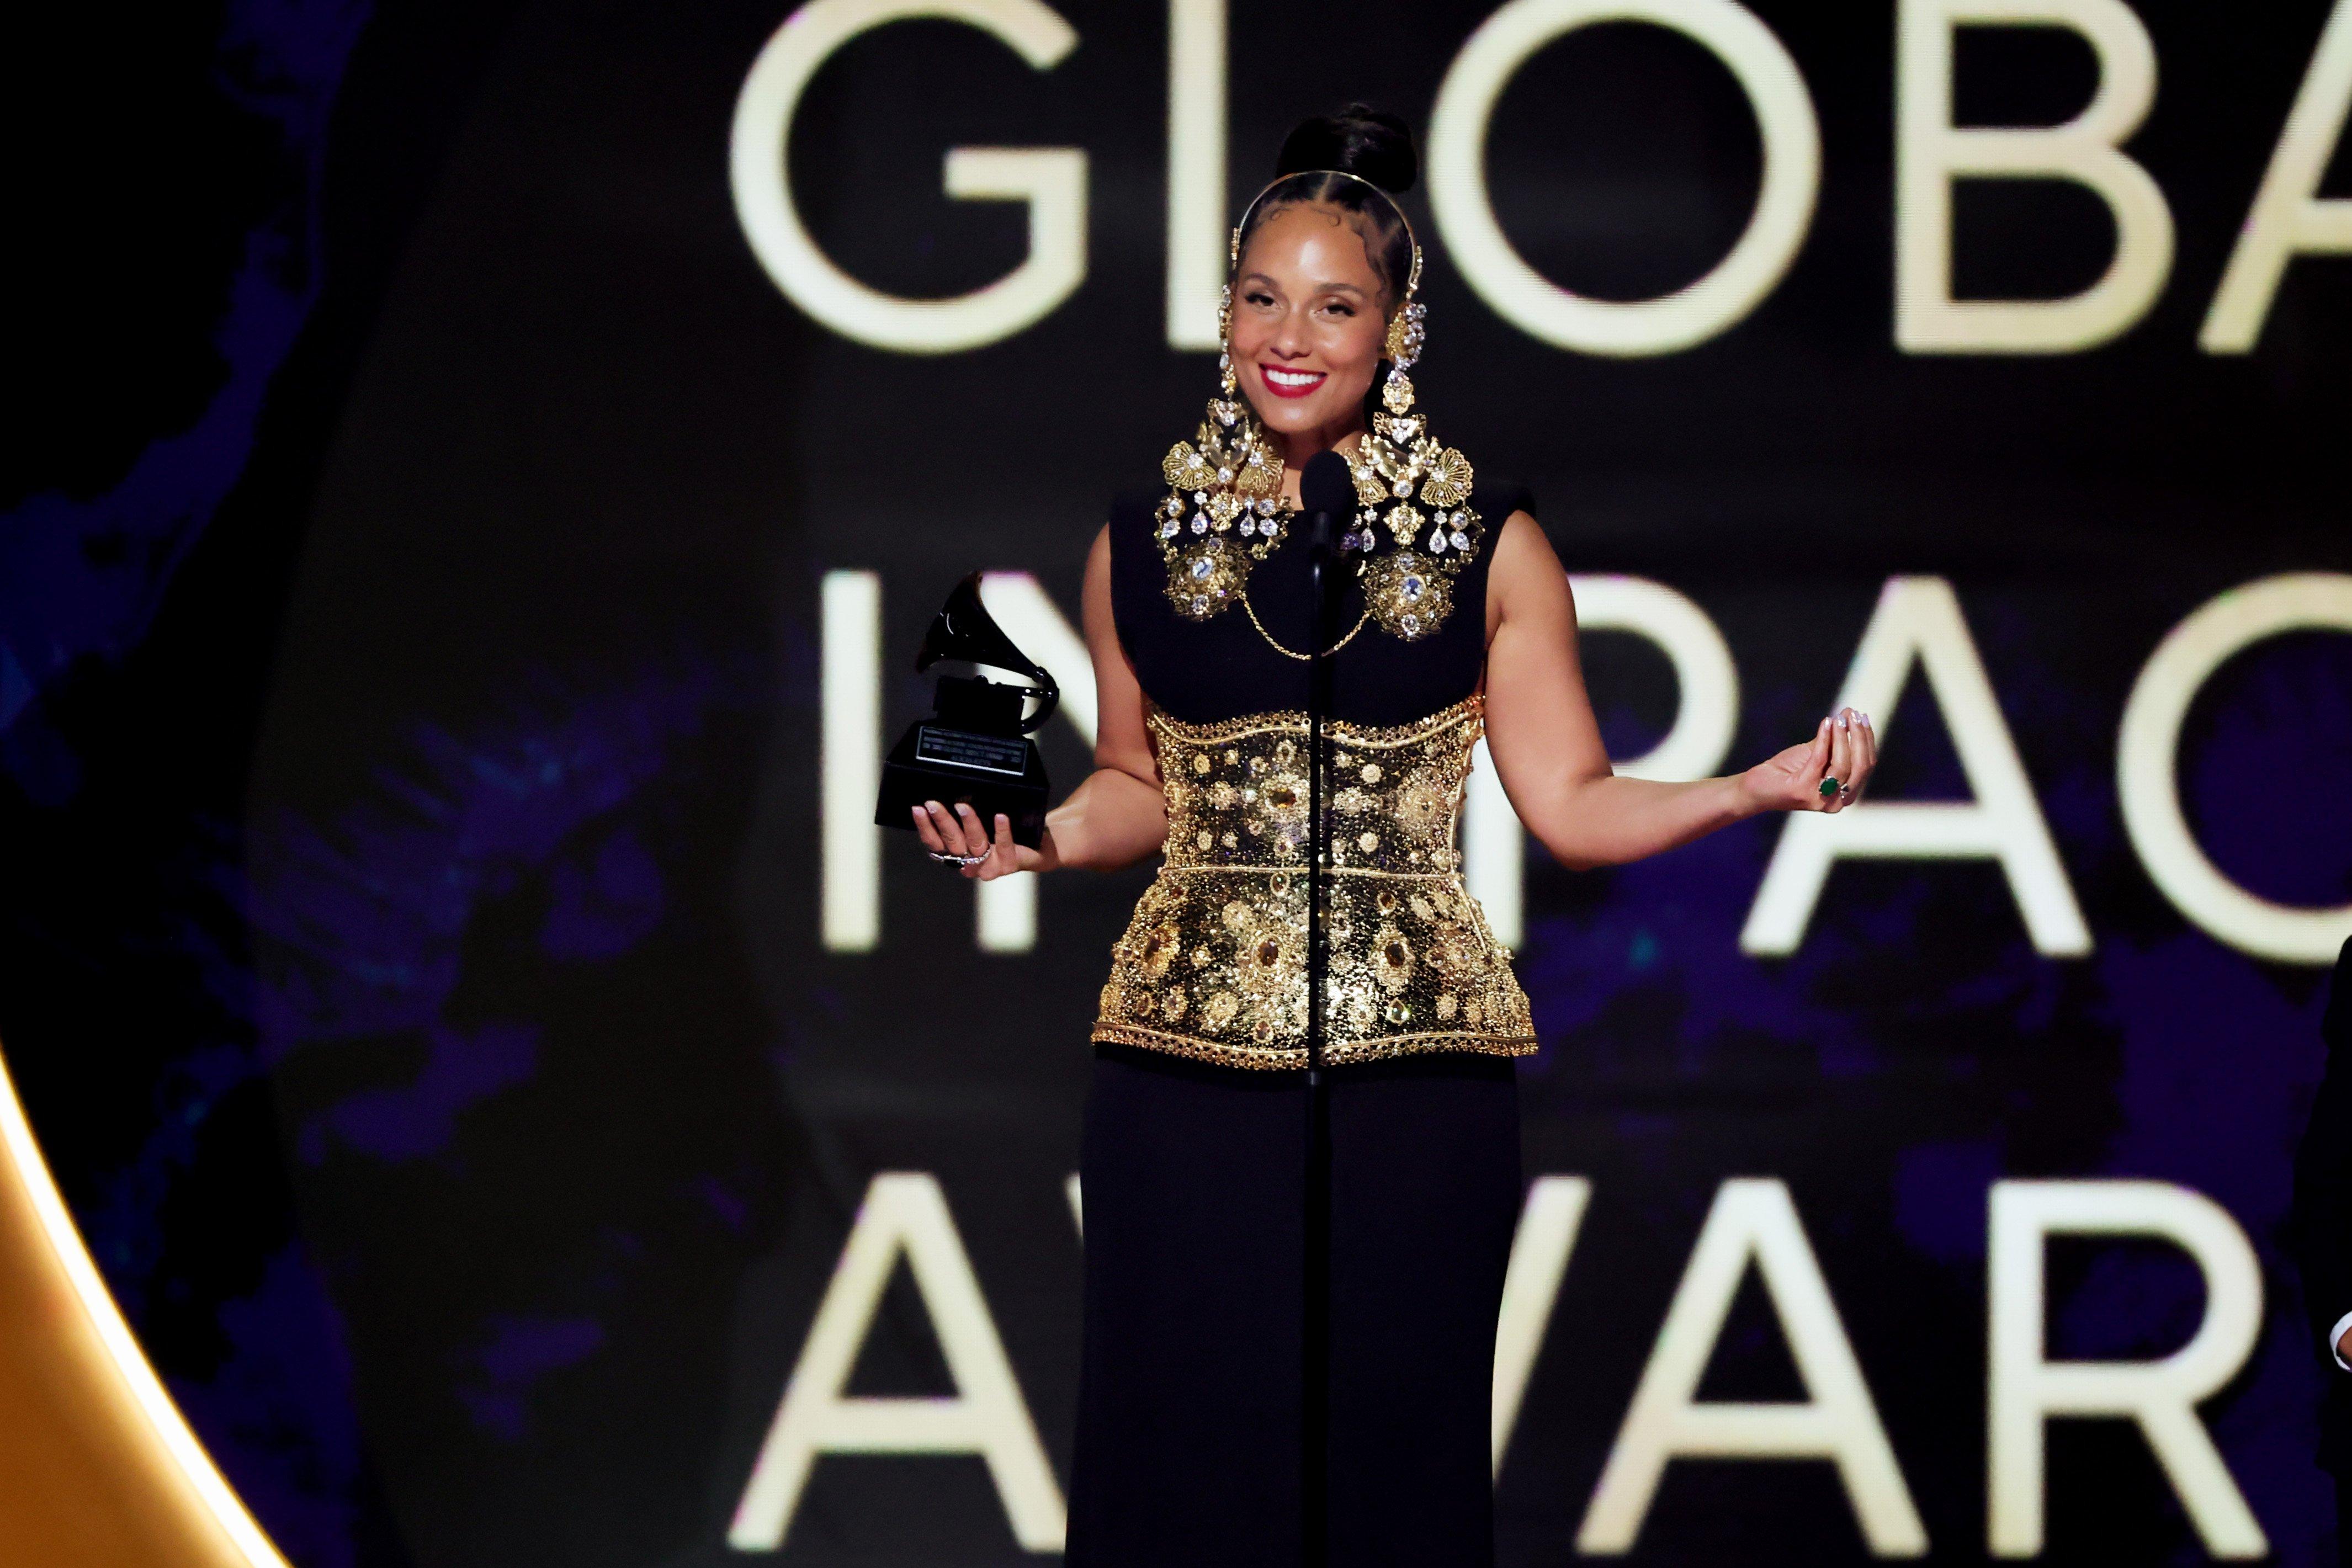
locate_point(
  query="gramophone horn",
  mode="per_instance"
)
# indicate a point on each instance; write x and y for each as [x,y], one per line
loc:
[963,629]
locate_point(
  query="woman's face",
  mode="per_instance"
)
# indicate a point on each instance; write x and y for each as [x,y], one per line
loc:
[1309,320]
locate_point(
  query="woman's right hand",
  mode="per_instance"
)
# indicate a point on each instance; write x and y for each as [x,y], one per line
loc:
[1842,754]
[958,835]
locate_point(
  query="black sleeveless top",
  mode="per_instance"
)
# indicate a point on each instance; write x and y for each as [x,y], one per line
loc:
[1207,672]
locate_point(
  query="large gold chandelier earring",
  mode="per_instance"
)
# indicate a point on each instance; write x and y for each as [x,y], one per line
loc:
[1225,378]
[1221,514]
[1406,333]
[1415,489]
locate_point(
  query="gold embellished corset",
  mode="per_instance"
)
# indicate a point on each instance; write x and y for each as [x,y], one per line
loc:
[1214,965]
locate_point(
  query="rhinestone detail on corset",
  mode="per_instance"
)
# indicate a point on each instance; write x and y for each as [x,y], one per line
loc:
[1213,964]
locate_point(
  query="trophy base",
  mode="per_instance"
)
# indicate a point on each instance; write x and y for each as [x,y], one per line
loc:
[989,773]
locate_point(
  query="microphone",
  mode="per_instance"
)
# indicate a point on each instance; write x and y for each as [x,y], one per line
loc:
[1327,494]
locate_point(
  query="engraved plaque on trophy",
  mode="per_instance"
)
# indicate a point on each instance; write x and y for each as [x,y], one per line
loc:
[975,747]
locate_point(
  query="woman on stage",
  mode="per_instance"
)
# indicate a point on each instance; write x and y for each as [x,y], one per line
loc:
[1456,620]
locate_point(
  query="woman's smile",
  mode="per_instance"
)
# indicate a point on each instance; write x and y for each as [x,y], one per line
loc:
[1284,382]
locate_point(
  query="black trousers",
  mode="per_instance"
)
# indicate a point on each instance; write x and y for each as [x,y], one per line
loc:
[1188,1431]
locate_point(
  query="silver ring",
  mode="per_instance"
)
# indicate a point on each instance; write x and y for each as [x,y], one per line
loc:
[946,859]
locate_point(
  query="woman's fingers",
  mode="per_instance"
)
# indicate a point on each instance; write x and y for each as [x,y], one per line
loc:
[1000,856]
[960,831]
[975,837]
[1843,749]
[1003,855]
[949,831]
[1842,760]
[1816,763]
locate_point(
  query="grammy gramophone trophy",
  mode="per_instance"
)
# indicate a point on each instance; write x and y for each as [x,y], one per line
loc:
[975,747]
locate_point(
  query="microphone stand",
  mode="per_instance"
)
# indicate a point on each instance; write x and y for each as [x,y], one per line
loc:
[1316,1401]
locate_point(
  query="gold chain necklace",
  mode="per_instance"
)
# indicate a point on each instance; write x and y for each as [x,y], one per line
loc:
[1286,653]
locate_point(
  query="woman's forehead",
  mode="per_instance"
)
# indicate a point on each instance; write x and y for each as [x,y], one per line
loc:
[1314,240]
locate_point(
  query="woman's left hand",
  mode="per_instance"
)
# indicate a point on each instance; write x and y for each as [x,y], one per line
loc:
[957,838]
[1840,757]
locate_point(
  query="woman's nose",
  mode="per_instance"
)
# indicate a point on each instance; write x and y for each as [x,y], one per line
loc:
[1290,338]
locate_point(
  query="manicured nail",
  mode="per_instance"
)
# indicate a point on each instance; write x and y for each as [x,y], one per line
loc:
[1845,722]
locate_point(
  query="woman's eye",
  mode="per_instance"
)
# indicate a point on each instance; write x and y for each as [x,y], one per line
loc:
[1258,298]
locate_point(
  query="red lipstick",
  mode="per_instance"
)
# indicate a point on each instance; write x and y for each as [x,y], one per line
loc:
[1291,386]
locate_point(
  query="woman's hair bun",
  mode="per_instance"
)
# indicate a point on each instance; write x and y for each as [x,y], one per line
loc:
[1370,143]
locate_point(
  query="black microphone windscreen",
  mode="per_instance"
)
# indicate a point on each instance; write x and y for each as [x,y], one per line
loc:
[1325,485]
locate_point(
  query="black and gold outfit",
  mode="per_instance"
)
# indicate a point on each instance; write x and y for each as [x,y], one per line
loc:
[1187,1447]
[1214,965]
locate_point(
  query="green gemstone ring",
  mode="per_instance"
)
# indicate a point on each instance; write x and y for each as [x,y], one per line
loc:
[1829,787]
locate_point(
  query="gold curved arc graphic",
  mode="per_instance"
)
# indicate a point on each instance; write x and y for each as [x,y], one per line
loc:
[98,1467]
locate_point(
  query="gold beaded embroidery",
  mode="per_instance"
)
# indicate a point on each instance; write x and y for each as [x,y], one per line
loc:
[1233,476]
[1413,967]
[1409,587]
[1223,512]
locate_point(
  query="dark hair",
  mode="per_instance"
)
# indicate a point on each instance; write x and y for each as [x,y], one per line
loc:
[1361,140]
[1375,147]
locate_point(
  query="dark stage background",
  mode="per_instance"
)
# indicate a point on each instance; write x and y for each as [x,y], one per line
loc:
[414,657]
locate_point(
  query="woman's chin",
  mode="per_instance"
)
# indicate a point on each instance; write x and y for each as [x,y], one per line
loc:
[1297,416]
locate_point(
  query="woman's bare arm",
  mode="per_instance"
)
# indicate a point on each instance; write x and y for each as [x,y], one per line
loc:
[1546,747]
[1116,815]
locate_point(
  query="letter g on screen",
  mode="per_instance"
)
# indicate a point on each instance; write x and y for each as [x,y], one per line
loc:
[1051,180]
